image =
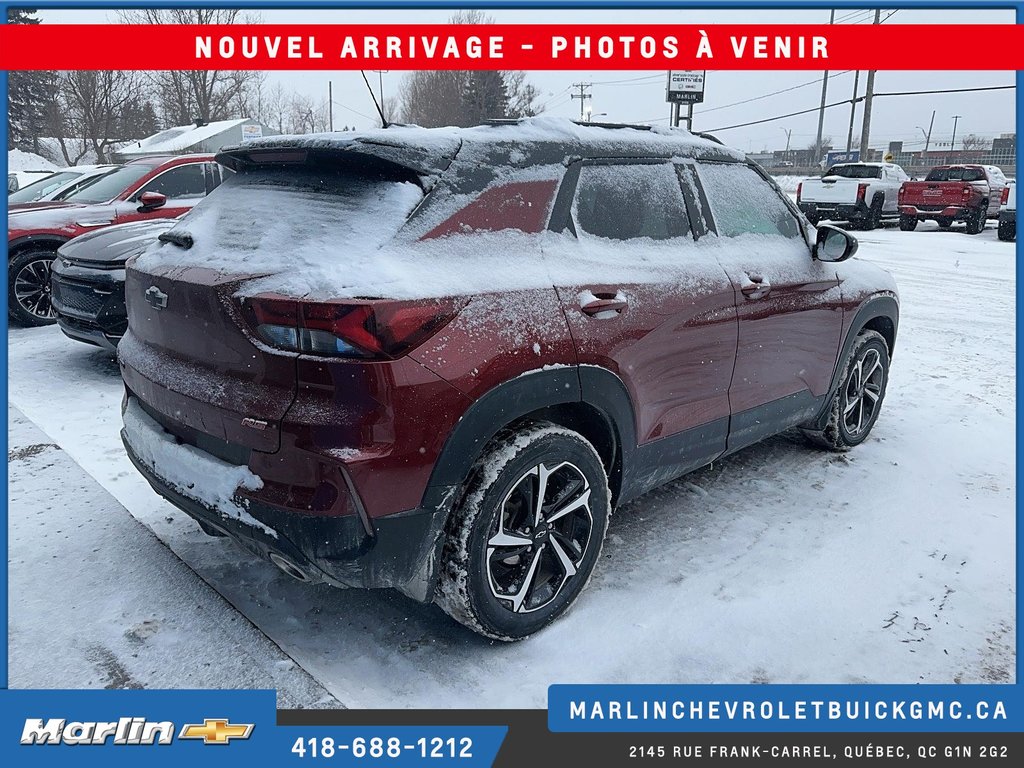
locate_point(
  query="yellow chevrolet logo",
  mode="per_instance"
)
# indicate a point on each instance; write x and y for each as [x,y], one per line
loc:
[216,731]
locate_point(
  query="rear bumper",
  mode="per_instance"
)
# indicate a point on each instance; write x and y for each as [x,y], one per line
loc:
[401,552]
[955,212]
[836,211]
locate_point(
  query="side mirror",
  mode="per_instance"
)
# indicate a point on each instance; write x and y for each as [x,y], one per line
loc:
[150,201]
[834,244]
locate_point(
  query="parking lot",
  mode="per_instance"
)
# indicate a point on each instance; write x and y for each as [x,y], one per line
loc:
[893,563]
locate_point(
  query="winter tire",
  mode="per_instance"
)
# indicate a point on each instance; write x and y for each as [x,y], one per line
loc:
[855,406]
[28,288]
[945,222]
[1007,230]
[976,221]
[908,223]
[873,220]
[523,542]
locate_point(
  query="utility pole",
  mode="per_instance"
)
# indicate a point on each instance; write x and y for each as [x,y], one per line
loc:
[952,142]
[853,110]
[821,110]
[330,105]
[583,95]
[789,134]
[869,93]
[927,134]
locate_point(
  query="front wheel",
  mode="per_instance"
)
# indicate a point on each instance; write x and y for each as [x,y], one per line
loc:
[524,540]
[28,288]
[855,406]
[908,223]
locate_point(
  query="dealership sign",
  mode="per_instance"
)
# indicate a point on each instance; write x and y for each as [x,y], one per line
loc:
[853,156]
[250,132]
[685,87]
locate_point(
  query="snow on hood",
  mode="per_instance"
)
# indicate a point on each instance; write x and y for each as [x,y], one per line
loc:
[29,216]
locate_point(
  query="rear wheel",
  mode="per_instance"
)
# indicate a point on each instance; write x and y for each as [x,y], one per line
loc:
[28,288]
[1007,230]
[857,402]
[908,223]
[976,221]
[524,540]
[873,220]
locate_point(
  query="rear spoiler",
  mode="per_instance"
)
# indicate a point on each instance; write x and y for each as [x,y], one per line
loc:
[429,157]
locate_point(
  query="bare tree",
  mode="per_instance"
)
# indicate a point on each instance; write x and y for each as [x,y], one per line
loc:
[974,142]
[200,95]
[94,105]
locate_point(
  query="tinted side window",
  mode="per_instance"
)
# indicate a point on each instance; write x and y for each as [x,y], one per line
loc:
[182,182]
[622,202]
[744,203]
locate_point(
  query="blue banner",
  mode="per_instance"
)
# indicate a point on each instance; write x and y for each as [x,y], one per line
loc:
[198,728]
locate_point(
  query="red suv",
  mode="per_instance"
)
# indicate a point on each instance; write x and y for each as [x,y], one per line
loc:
[149,188]
[435,360]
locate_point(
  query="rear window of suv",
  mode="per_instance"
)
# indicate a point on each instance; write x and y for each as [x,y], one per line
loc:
[299,223]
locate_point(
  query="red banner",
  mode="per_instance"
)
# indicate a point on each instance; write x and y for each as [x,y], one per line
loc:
[514,46]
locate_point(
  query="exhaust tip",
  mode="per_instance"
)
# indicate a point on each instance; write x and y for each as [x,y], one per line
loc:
[288,567]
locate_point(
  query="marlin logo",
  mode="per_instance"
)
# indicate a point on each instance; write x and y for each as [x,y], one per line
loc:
[126,730]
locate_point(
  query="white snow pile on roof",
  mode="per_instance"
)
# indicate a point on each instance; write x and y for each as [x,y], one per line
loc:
[529,130]
[180,137]
[17,160]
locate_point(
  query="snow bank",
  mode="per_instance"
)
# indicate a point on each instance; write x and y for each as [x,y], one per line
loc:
[17,160]
[788,184]
[193,473]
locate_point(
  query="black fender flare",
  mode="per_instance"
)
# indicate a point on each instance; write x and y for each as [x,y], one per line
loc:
[883,306]
[17,244]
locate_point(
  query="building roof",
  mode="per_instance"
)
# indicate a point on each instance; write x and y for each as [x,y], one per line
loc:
[179,138]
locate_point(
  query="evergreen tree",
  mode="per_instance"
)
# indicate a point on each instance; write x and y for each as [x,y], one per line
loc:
[28,96]
[484,97]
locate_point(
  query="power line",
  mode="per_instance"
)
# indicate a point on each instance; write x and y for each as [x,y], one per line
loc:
[774,93]
[861,98]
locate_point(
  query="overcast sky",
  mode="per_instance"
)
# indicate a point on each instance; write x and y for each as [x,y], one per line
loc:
[642,97]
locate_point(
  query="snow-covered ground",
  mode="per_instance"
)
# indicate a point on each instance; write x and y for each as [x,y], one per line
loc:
[893,563]
[19,160]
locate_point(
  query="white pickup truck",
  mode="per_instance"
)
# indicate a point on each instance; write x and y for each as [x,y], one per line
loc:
[1008,212]
[861,193]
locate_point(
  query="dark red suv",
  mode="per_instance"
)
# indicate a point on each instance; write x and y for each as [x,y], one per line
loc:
[435,360]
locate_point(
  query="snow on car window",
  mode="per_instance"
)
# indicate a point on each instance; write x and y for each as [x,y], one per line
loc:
[303,225]
[744,203]
[622,202]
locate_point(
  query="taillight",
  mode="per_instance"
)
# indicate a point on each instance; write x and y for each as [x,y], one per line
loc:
[356,328]
[1005,197]
[862,191]
[967,191]
[799,189]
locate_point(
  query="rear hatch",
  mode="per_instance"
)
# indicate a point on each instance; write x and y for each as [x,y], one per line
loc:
[291,223]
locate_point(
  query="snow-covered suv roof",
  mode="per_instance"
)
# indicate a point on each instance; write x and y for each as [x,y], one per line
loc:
[522,143]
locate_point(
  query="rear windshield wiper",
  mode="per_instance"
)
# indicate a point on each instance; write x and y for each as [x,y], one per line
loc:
[180,239]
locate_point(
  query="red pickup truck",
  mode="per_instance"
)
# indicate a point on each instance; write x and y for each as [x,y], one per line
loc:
[968,193]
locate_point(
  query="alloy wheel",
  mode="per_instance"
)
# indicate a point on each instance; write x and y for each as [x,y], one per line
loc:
[32,288]
[539,537]
[863,393]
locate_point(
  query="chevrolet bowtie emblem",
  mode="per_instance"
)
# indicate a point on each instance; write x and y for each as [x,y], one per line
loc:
[216,731]
[156,298]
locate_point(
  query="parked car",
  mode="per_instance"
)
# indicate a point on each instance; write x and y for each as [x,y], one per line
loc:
[861,193]
[87,285]
[949,193]
[60,184]
[1008,212]
[434,360]
[18,179]
[149,188]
